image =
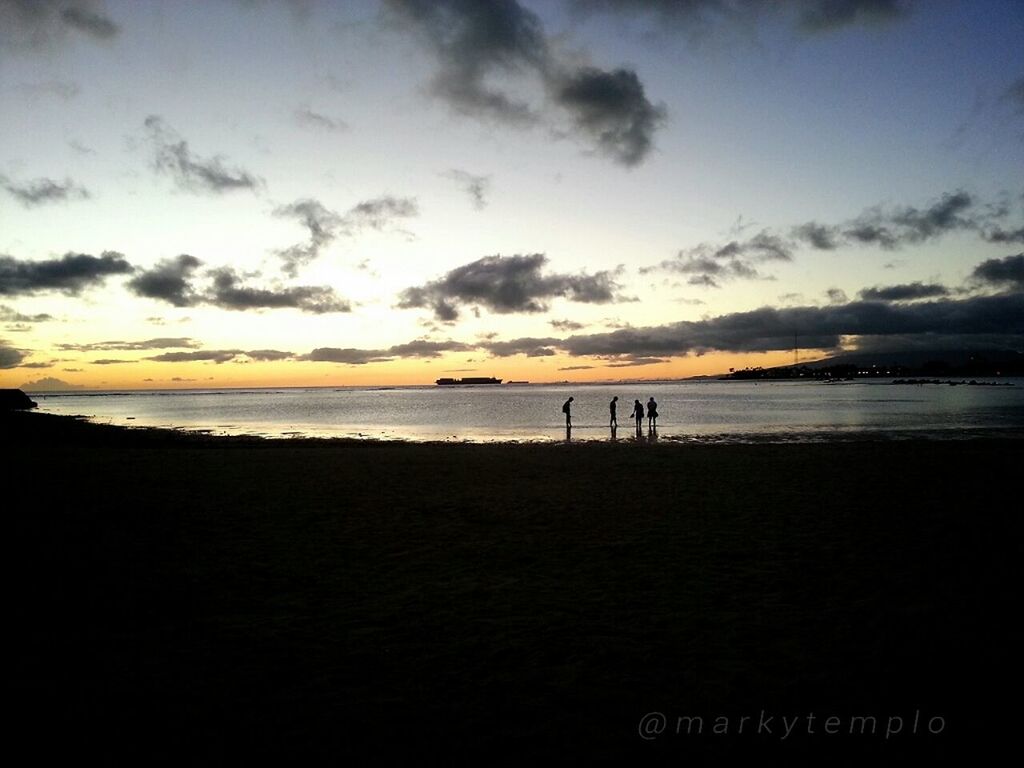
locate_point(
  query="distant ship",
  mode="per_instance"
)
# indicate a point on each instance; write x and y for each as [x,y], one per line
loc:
[470,380]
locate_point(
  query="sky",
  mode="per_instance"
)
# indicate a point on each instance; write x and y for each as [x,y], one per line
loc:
[242,193]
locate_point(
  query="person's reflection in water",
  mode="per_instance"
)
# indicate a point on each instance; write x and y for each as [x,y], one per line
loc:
[568,433]
[652,434]
[615,432]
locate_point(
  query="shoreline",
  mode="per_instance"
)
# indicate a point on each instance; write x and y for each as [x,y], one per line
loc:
[625,436]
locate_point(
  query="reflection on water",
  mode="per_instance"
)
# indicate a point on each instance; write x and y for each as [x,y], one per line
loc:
[705,411]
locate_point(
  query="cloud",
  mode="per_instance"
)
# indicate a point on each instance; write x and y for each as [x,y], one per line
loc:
[419,348]
[809,16]
[307,118]
[48,384]
[70,274]
[325,226]
[215,355]
[709,265]
[348,356]
[228,292]
[9,356]
[122,346]
[28,24]
[474,41]
[613,111]
[476,187]
[771,329]
[43,191]
[11,315]
[1000,235]
[531,347]
[109,361]
[566,325]
[479,47]
[1002,273]
[836,296]
[907,225]
[904,292]
[380,212]
[172,156]
[507,284]
[269,355]
[1014,95]
[168,281]
[825,15]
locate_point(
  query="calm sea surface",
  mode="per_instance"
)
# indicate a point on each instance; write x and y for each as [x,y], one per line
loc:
[706,411]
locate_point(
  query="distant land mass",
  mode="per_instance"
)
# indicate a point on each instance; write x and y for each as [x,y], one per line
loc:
[916,363]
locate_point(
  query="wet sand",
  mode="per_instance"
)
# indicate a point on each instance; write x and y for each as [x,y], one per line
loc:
[210,599]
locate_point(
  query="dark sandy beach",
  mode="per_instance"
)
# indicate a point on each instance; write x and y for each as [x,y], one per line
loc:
[204,599]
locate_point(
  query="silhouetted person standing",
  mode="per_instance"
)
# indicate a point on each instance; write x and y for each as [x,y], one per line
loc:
[638,414]
[652,414]
[612,420]
[567,410]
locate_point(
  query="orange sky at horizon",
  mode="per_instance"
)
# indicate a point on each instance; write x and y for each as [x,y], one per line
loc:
[146,374]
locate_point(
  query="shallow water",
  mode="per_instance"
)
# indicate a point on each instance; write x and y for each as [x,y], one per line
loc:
[707,411]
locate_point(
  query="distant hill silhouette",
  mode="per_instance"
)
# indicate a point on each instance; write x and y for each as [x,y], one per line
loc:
[911,363]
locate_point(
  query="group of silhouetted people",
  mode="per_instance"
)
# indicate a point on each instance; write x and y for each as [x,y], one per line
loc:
[613,422]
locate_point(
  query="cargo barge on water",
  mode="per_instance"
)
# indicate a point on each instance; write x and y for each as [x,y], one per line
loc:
[469,380]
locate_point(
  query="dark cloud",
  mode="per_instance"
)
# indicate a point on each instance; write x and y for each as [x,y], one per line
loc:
[474,41]
[30,24]
[71,273]
[531,347]
[307,118]
[577,368]
[1000,235]
[122,346]
[42,191]
[9,356]
[818,236]
[907,225]
[476,186]
[1014,95]
[110,361]
[168,281]
[612,110]
[636,361]
[380,212]
[566,325]
[811,16]
[709,265]
[228,292]
[172,156]
[506,284]
[1002,273]
[11,315]
[38,365]
[348,356]
[84,19]
[824,15]
[480,45]
[269,355]
[323,226]
[418,348]
[770,329]
[49,384]
[216,355]
[426,348]
[836,296]
[904,292]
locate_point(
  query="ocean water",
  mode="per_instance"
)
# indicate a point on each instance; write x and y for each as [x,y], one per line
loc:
[705,411]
